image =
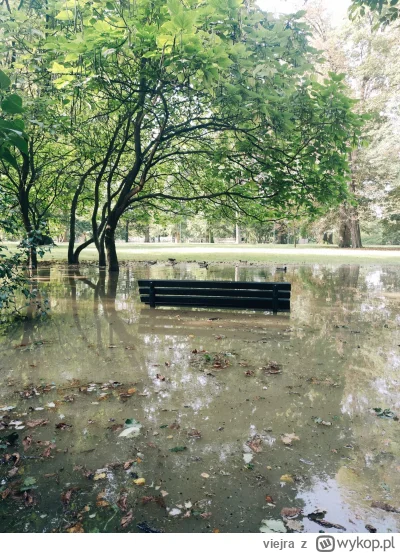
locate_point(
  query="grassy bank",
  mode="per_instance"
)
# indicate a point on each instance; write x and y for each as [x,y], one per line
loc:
[230,253]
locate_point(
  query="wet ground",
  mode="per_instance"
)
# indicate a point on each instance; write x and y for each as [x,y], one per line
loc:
[117,418]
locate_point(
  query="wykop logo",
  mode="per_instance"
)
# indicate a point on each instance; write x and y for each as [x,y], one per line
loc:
[325,544]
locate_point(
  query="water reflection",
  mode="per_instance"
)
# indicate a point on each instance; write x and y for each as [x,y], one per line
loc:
[101,358]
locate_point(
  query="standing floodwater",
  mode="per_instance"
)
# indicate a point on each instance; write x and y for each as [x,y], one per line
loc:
[114,417]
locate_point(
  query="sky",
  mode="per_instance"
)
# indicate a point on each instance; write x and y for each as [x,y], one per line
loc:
[337,8]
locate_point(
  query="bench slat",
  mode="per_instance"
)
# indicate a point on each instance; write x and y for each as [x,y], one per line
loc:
[213,284]
[190,301]
[265,294]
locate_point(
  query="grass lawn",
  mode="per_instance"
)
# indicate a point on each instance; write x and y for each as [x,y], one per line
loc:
[230,253]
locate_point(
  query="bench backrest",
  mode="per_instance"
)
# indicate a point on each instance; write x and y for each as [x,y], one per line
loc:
[271,296]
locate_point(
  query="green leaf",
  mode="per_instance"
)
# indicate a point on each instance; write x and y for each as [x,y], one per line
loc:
[12,104]
[65,15]
[7,156]
[4,80]
[28,483]
[19,142]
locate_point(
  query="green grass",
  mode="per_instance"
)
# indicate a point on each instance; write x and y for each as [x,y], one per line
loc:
[230,253]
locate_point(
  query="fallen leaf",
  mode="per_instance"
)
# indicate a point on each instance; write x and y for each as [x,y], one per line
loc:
[255,444]
[272,368]
[295,525]
[287,439]
[47,451]
[290,512]
[27,442]
[385,507]
[287,478]
[272,526]
[66,496]
[122,502]
[204,475]
[36,422]
[127,519]
[206,515]
[194,433]
[100,476]
[76,529]
[269,500]
[140,481]
[63,426]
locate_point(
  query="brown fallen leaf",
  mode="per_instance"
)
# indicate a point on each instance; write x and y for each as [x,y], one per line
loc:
[36,422]
[63,426]
[385,507]
[255,444]
[287,439]
[194,433]
[47,451]
[5,493]
[27,442]
[17,458]
[76,529]
[272,368]
[206,515]
[160,377]
[249,373]
[66,496]
[174,426]
[127,519]
[269,499]
[13,472]
[147,499]
[29,500]
[123,502]
[290,512]
[100,501]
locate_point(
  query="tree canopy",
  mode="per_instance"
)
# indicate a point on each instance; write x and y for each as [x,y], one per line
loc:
[156,104]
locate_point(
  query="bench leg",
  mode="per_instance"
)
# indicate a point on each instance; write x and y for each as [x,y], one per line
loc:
[275,300]
[152,296]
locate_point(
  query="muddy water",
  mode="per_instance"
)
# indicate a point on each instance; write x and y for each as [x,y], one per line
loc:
[223,439]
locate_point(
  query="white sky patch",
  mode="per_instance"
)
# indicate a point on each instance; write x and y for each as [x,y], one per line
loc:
[337,9]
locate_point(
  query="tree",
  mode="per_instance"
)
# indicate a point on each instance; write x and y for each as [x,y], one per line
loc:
[187,101]
[370,59]
[388,10]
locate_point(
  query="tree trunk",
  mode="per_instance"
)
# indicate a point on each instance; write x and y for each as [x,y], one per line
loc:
[355,230]
[237,234]
[126,231]
[344,229]
[102,253]
[147,234]
[110,248]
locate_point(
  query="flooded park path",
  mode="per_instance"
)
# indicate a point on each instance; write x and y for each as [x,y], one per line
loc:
[114,417]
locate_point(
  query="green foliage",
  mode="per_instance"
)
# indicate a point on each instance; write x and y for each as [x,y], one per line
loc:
[12,133]
[388,10]
[163,103]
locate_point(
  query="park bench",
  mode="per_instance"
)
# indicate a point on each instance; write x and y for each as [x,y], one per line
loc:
[221,294]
